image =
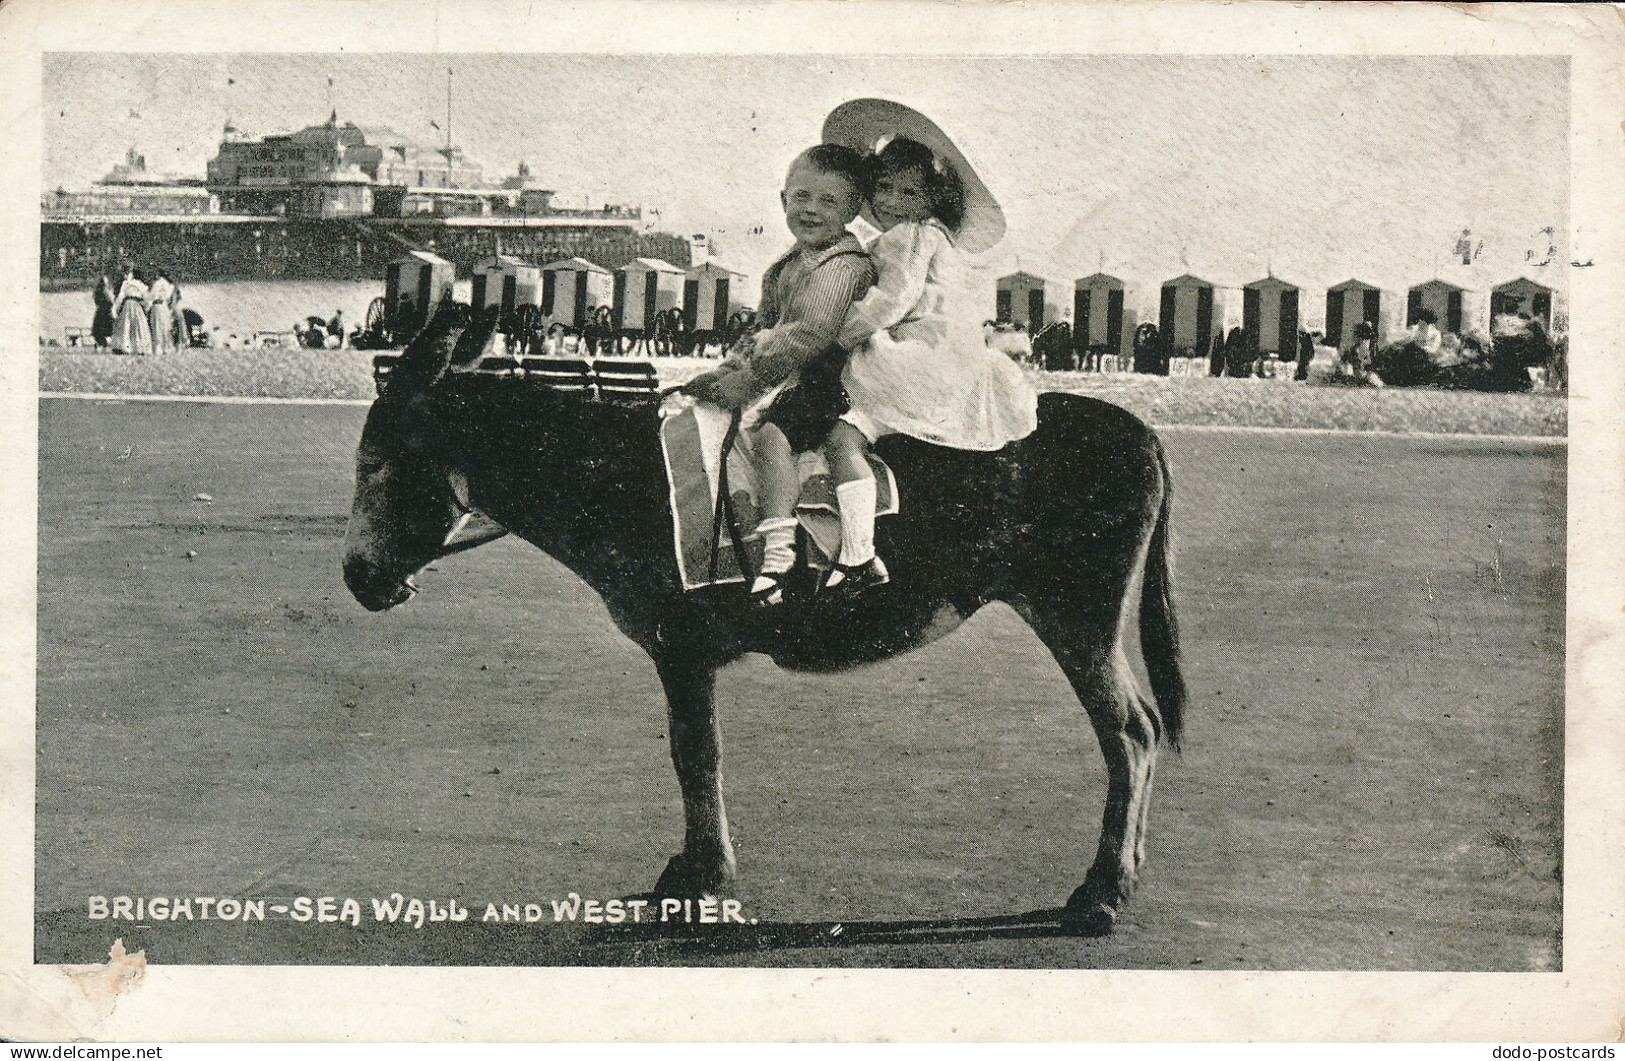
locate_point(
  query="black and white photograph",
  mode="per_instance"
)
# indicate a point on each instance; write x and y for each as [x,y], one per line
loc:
[757,516]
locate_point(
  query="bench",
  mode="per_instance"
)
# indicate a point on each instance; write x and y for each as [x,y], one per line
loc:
[619,379]
[559,373]
[77,336]
[276,339]
[501,366]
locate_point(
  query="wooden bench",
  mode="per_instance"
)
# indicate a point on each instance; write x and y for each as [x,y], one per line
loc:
[559,373]
[622,379]
[77,336]
[275,339]
[501,366]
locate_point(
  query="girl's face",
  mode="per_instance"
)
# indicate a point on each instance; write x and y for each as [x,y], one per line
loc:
[900,196]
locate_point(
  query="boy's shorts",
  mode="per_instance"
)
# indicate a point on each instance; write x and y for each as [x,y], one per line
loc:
[750,416]
[868,426]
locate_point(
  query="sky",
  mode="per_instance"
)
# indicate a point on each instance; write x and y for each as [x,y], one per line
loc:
[1314,169]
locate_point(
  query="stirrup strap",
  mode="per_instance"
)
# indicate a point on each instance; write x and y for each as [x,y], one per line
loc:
[724,512]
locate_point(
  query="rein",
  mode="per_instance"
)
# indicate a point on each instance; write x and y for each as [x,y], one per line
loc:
[724,514]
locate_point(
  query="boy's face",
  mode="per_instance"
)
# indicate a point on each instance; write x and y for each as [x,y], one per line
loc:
[817,205]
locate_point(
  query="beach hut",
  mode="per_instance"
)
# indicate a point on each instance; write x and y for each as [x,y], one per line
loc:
[507,283]
[1104,315]
[1523,296]
[710,294]
[644,288]
[1354,301]
[1458,309]
[1019,299]
[1269,316]
[573,286]
[1193,311]
[413,286]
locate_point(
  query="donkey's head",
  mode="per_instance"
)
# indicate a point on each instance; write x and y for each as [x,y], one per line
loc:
[407,500]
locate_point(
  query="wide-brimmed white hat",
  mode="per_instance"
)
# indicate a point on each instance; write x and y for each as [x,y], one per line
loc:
[864,124]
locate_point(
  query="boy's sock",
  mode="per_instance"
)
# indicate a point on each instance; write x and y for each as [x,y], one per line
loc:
[779,545]
[856,500]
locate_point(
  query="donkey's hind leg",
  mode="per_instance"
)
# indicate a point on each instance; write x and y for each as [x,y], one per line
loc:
[1126,725]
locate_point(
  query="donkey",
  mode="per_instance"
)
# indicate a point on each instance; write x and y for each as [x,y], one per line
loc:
[1060,525]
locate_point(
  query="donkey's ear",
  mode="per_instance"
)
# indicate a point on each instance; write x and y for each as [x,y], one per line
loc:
[425,358]
[476,337]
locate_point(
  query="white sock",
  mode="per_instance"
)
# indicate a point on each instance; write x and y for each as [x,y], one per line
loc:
[856,500]
[779,545]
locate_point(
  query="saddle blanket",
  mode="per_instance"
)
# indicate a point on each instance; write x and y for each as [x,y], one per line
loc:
[691,437]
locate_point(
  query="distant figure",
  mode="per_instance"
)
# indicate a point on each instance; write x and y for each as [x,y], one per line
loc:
[1306,354]
[182,329]
[1147,347]
[1413,361]
[1513,354]
[1425,335]
[1504,325]
[160,315]
[1464,246]
[1355,362]
[131,332]
[192,322]
[1238,360]
[335,330]
[101,326]
[1215,355]
[1010,339]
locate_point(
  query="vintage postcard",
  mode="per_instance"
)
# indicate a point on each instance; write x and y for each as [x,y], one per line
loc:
[770,521]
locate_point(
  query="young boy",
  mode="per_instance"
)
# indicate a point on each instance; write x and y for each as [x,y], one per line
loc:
[805,297]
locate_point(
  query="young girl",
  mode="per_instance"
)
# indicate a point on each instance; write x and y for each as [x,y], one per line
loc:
[919,365]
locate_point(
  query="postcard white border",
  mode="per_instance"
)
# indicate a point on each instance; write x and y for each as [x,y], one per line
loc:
[1583,1002]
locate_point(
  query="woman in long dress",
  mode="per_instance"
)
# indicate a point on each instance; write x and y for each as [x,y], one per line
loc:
[183,331]
[131,332]
[101,326]
[160,315]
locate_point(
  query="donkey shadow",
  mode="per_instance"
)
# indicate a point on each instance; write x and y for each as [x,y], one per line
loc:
[673,941]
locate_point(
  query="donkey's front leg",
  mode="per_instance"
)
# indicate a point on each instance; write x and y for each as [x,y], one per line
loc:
[706,863]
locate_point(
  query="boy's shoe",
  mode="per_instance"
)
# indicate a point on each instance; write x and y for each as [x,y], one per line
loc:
[767,591]
[847,583]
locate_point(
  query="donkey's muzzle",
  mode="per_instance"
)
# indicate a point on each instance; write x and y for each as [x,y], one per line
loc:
[373,589]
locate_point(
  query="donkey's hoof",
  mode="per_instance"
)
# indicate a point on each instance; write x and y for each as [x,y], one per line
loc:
[1091,910]
[687,878]
[1088,919]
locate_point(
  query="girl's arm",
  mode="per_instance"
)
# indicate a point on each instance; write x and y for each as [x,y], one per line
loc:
[903,258]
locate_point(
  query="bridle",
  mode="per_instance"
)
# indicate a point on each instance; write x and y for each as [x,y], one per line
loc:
[451,546]
[458,489]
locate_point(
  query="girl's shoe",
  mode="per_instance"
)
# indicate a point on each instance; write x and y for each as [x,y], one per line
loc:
[847,582]
[768,590]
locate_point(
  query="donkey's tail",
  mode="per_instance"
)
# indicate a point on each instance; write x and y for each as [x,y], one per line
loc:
[1159,623]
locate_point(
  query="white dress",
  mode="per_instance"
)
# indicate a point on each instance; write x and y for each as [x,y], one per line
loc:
[161,316]
[920,365]
[131,332]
